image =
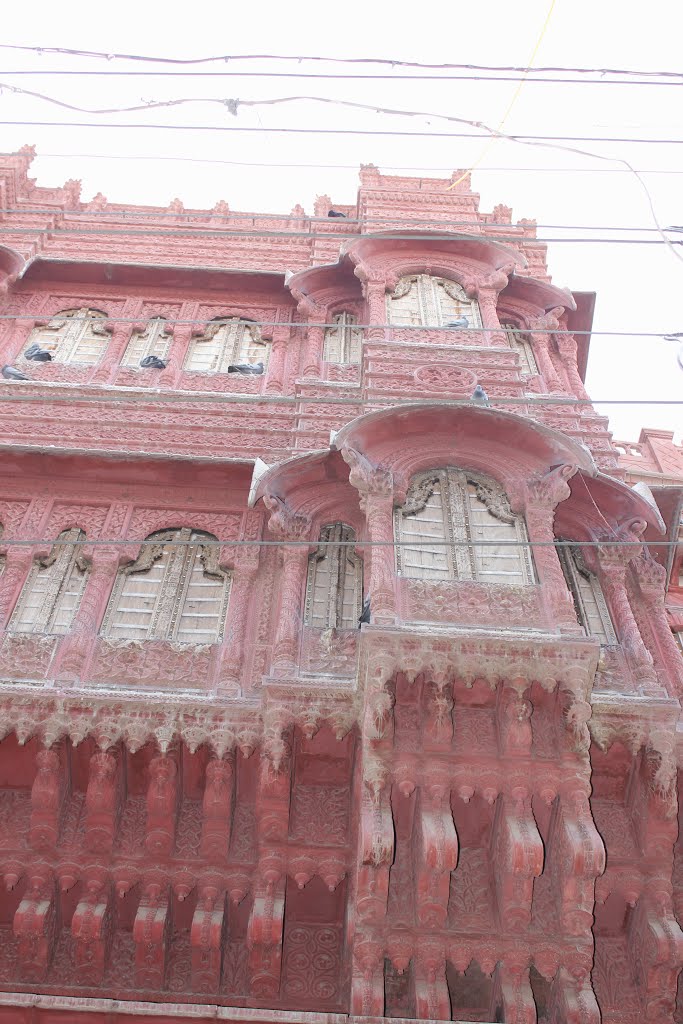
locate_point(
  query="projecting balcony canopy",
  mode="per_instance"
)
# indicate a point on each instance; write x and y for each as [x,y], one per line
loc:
[600,503]
[409,438]
[12,263]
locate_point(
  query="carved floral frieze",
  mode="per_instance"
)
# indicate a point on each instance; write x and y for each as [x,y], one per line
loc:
[500,606]
[153,662]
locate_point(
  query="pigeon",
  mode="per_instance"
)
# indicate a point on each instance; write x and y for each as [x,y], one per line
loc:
[461,321]
[335,213]
[479,395]
[152,363]
[365,613]
[37,354]
[11,373]
[245,368]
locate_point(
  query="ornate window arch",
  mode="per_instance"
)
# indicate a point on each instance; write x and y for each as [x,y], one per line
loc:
[591,607]
[154,340]
[73,336]
[519,341]
[343,340]
[426,301]
[446,515]
[334,588]
[173,591]
[53,589]
[227,342]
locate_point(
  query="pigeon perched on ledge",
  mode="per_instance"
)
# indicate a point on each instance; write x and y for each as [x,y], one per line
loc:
[461,321]
[245,368]
[37,354]
[335,213]
[479,395]
[152,363]
[365,613]
[11,373]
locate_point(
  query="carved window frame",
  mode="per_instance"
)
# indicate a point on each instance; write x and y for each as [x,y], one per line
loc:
[522,345]
[587,595]
[428,305]
[74,336]
[183,559]
[343,342]
[226,341]
[461,496]
[54,580]
[154,340]
[333,570]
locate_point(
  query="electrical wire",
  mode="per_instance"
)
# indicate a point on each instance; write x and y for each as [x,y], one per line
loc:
[344,167]
[316,58]
[286,543]
[57,230]
[335,77]
[518,137]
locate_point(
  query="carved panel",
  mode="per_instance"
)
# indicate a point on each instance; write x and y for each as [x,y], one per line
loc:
[312,965]
[475,603]
[147,662]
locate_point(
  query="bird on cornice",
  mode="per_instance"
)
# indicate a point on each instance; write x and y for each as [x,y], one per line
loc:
[11,373]
[37,354]
[479,395]
[335,213]
[461,321]
[245,368]
[152,363]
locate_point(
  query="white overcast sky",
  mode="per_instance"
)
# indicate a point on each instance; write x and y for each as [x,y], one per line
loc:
[638,287]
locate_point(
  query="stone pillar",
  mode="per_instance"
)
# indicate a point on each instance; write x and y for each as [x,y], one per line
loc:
[277,362]
[613,562]
[105,371]
[182,336]
[651,580]
[77,644]
[375,487]
[233,648]
[541,329]
[17,566]
[544,493]
[290,529]
[376,303]
[567,347]
[315,340]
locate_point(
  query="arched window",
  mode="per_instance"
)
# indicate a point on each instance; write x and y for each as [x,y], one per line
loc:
[589,600]
[446,516]
[334,590]
[425,301]
[73,336]
[522,346]
[53,589]
[343,341]
[173,591]
[153,341]
[226,342]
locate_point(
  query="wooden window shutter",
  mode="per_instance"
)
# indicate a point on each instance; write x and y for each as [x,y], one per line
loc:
[334,587]
[153,341]
[589,601]
[343,341]
[225,342]
[173,591]
[73,336]
[426,301]
[53,589]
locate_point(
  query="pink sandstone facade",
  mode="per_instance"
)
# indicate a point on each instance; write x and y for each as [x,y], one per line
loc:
[220,798]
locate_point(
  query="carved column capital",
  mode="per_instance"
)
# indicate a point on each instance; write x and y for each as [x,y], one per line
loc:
[547,490]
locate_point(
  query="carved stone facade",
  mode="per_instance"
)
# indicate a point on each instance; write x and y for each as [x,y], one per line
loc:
[324,689]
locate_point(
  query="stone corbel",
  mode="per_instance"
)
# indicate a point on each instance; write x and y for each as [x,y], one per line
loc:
[367,979]
[516,857]
[655,951]
[36,923]
[575,855]
[162,806]
[512,999]
[376,855]
[206,938]
[217,809]
[151,933]
[572,999]
[264,931]
[272,800]
[92,928]
[436,853]
[432,1001]
[103,800]
[513,718]
[438,718]
[48,795]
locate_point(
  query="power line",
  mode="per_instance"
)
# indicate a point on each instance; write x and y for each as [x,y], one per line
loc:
[319,323]
[346,167]
[517,137]
[191,232]
[353,77]
[405,224]
[284,543]
[336,60]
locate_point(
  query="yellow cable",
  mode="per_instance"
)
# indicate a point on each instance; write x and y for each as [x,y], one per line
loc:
[515,96]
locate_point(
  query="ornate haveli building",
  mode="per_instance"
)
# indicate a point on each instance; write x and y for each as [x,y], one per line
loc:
[226,438]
